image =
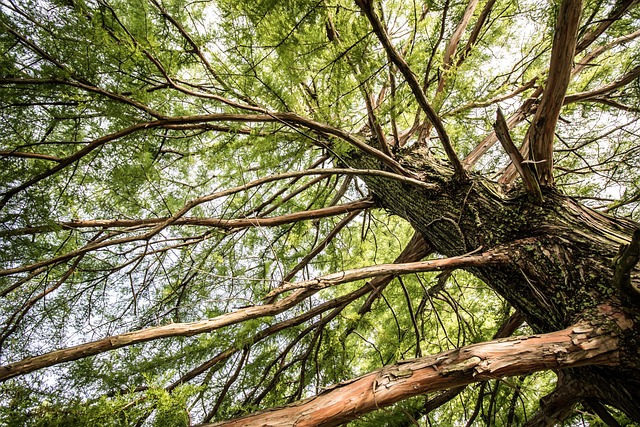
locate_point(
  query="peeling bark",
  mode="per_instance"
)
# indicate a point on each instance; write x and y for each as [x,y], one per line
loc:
[580,345]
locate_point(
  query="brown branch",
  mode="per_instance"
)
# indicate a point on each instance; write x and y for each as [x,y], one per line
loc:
[601,411]
[542,130]
[571,347]
[193,328]
[80,351]
[614,104]
[185,329]
[203,222]
[604,24]
[587,58]
[526,173]
[375,123]
[473,37]
[412,81]
[464,261]
[193,203]
[624,80]
[527,107]
[86,86]
[506,330]
[556,407]
[38,156]
[290,119]
[452,45]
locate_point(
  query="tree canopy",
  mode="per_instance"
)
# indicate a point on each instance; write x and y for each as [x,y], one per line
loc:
[375,212]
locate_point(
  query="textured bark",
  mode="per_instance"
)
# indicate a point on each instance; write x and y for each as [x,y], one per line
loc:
[561,259]
[582,344]
[561,252]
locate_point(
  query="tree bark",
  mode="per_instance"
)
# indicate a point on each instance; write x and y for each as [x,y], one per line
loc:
[562,256]
[582,344]
[542,131]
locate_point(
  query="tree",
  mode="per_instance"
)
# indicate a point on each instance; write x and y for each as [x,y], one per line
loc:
[296,213]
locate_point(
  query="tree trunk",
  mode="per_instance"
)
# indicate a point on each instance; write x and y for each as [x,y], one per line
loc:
[559,275]
[564,258]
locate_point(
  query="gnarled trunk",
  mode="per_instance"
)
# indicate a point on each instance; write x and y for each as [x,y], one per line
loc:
[563,259]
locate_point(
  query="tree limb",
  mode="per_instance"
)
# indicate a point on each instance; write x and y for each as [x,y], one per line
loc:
[556,407]
[464,261]
[542,130]
[616,13]
[602,90]
[302,291]
[483,361]
[195,202]
[602,412]
[235,223]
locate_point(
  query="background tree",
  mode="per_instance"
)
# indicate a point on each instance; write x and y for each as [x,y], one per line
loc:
[214,209]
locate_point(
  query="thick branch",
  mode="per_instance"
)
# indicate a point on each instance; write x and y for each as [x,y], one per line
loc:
[542,130]
[465,261]
[602,412]
[304,289]
[556,407]
[579,345]
[529,103]
[473,37]
[505,330]
[37,156]
[602,90]
[31,364]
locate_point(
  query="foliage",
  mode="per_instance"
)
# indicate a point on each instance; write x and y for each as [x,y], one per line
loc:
[123,124]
